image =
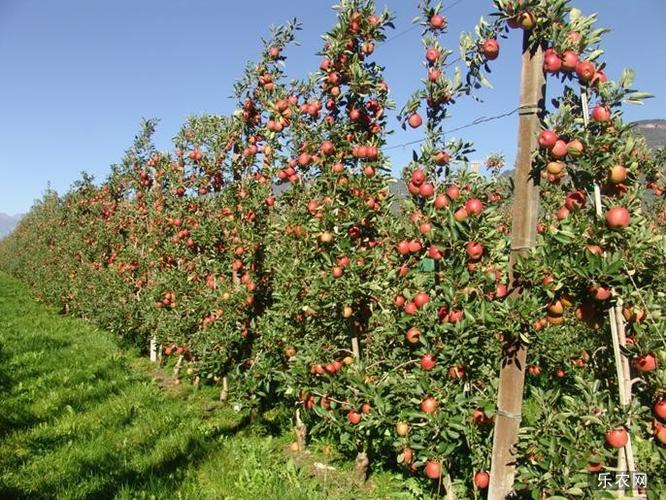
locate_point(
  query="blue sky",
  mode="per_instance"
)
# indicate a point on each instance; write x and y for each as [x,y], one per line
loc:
[78,75]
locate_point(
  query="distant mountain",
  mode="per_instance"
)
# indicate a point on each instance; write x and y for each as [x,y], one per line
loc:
[8,223]
[654,132]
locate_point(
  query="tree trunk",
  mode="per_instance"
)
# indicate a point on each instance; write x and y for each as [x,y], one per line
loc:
[301,431]
[361,467]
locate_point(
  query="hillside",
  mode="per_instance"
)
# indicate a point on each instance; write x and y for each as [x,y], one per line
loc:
[654,132]
[8,223]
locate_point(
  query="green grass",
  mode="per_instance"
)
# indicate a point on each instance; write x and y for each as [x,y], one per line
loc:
[80,418]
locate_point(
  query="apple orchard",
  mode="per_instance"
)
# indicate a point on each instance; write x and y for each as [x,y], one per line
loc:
[264,254]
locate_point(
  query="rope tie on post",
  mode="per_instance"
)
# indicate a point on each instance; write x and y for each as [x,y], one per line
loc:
[529,109]
[508,414]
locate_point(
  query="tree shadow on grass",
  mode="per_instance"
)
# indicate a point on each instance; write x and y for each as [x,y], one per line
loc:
[169,473]
[12,416]
[114,477]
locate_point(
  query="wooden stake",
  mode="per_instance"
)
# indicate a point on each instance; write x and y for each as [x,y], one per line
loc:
[153,349]
[625,458]
[356,351]
[523,237]
[621,453]
[224,393]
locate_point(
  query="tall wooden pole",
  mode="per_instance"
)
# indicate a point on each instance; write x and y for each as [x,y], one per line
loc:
[523,237]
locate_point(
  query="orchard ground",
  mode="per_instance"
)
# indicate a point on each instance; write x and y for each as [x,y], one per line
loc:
[81,417]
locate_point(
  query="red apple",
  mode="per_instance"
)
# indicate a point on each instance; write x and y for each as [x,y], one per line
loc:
[617,438]
[403,247]
[442,158]
[601,114]
[559,149]
[407,455]
[327,148]
[569,61]
[427,190]
[441,201]
[618,218]
[659,432]
[456,372]
[421,299]
[461,214]
[575,200]
[413,335]
[434,253]
[418,177]
[453,192]
[600,293]
[562,213]
[585,70]
[599,77]
[534,370]
[429,405]
[433,469]
[481,480]
[415,120]
[410,308]
[428,362]
[414,246]
[547,139]
[474,250]
[552,63]
[432,54]
[490,49]
[474,206]
[353,417]
[479,417]
[437,22]
[645,363]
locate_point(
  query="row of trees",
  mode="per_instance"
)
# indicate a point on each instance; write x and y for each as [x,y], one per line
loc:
[264,253]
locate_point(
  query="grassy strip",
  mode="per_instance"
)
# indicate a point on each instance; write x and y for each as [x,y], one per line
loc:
[79,418]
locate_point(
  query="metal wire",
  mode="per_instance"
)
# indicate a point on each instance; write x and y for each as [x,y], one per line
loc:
[478,121]
[412,28]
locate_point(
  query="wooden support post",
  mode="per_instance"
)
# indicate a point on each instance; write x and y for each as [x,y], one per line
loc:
[523,237]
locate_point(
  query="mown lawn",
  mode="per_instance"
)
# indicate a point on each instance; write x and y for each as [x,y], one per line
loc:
[81,418]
